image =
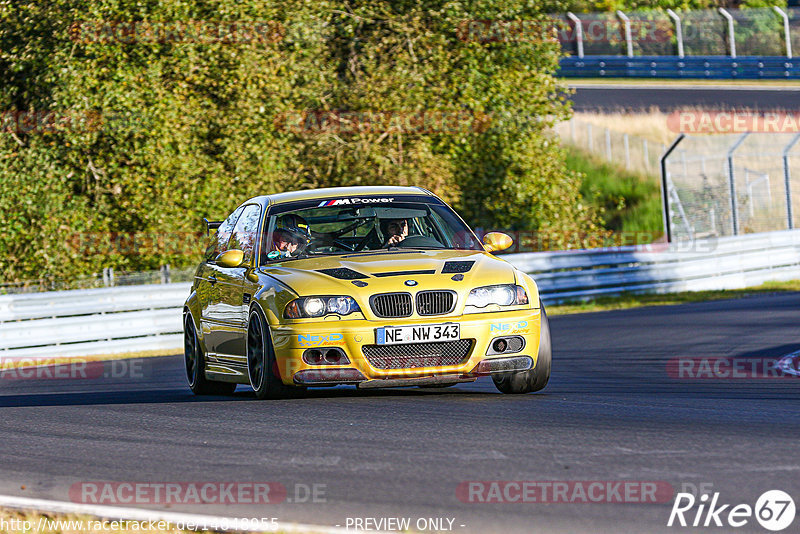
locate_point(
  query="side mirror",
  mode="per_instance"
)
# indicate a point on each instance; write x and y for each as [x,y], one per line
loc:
[230,258]
[495,241]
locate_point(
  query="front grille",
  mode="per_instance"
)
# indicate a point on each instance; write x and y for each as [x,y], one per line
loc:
[392,305]
[435,302]
[412,355]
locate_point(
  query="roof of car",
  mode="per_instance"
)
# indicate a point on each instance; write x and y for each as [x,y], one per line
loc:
[343,192]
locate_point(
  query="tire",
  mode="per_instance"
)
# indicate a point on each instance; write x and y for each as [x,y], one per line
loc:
[533,379]
[262,367]
[194,361]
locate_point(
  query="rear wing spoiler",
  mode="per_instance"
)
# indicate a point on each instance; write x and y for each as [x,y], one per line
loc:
[211,225]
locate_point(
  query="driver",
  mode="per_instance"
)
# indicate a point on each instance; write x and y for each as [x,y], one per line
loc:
[395,229]
[291,233]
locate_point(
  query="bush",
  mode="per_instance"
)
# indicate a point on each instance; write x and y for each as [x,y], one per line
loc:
[151,135]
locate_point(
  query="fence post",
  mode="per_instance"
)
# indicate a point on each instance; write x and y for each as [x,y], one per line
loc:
[578,32]
[734,201]
[787,37]
[787,181]
[646,154]
[589,136]
[627,151]
[678,30]
[608,144]
[731,35]
[626,22]
[665,187]
[572,129]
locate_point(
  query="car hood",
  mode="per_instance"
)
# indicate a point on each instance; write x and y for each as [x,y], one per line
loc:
[362,275]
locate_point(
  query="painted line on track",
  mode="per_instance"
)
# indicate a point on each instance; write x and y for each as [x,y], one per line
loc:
[141,514]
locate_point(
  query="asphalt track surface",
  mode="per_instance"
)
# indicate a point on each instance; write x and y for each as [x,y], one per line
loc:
[606,98]
[611,412]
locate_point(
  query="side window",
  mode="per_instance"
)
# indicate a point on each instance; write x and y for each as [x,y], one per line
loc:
[218,243]
[244,234]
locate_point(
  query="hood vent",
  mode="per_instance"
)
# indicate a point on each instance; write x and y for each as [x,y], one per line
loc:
[405,273]
[457,266]
[343,273]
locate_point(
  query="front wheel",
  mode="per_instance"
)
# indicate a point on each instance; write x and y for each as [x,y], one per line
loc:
[262,368]
[194,361]
[533,379]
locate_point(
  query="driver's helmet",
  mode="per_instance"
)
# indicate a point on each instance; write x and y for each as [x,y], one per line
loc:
[294,228]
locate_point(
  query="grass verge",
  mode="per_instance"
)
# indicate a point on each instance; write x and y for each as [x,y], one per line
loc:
[635,301]
[630,202]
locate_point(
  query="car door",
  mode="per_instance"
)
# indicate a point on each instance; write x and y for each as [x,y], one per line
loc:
[206,282]
[232,310]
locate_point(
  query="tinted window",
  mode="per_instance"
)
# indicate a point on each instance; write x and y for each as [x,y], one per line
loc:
[244,234]
[218,243]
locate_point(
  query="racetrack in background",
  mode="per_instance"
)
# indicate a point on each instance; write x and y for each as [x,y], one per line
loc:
[609,98]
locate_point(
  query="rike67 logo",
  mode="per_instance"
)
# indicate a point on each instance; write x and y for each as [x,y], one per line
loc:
[774,510]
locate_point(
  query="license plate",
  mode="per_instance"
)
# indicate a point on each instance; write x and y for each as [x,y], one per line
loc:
[394,335]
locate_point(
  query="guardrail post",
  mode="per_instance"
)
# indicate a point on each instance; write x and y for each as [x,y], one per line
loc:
[786,35]
[731,34]
[734,201]
[678,31]
[626,22]
[165,274]
[578,32]
[665,186]
[787,181]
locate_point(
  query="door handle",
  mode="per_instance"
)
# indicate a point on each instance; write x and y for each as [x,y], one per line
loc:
[212,279]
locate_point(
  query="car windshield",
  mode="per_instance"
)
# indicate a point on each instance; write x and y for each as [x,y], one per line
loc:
[347,229]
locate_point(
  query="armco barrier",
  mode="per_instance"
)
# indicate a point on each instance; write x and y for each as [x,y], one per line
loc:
[690,67]
[92,321]
[134,318]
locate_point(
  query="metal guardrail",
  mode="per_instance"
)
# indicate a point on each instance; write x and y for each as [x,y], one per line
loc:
[711,67]
[147,317]
[92,321]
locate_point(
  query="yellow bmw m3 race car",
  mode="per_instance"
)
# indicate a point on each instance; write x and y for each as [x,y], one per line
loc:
[370,286]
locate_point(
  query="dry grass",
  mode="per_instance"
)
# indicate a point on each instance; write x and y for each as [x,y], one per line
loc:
[651,125]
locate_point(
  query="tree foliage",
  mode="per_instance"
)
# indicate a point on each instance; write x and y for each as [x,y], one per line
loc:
[154,133]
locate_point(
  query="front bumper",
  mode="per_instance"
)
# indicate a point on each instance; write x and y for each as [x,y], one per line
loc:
[351,336]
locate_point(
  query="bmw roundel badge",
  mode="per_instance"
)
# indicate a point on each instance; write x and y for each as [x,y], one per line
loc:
[411,283]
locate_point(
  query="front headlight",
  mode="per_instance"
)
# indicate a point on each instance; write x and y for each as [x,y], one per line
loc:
[305,307]
[501,295]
